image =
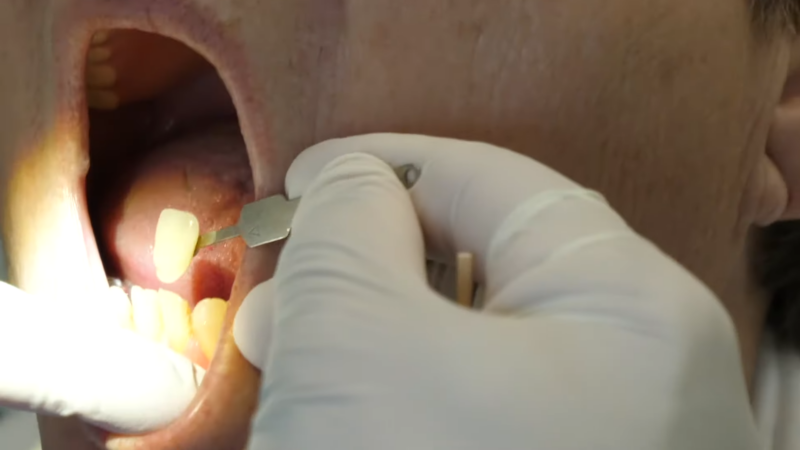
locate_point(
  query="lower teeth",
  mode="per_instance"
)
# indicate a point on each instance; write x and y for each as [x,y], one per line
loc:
[164,317]
[175,312]
[207,320]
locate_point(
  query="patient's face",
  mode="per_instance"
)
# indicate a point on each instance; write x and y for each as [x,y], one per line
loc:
[664,106]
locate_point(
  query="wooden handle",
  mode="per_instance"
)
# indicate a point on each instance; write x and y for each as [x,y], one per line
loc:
[465,285]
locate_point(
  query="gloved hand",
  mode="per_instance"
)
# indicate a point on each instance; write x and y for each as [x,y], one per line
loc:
[54,360]
[590,337]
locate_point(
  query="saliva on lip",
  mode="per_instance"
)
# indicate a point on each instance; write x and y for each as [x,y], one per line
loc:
[163,316]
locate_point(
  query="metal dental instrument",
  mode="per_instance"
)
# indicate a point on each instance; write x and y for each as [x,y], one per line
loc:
[270,220]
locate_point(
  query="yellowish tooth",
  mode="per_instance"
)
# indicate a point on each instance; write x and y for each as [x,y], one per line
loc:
[175,315]
[176,238]
[100,37]
[98,55]
[101,76]
[147,313]
[207,320]
[119,307]
[102,99]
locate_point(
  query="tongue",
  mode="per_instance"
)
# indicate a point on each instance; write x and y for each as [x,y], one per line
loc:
[207,173]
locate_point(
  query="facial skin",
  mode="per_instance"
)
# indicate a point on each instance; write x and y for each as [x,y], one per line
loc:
[664,106]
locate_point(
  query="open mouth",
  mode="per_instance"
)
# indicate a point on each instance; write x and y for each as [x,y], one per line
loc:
[163,135]
[163,132]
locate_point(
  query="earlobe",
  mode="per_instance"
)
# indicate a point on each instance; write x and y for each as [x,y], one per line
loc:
[781,163]
[777,177]
[768,192]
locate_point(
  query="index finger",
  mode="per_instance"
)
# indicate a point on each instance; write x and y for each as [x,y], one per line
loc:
[512,212]
[466,190]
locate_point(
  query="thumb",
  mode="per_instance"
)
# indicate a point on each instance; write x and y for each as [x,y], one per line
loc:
[252,328]
[355,230]
[54,363]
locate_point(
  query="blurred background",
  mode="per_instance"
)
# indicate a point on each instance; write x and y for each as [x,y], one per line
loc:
[18,430]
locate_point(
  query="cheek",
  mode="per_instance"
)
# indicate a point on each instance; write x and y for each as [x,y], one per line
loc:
[657,104]
[29,125]
[660,106]
[657,108]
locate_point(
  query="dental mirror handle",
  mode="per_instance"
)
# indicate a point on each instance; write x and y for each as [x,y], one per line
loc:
[270,220]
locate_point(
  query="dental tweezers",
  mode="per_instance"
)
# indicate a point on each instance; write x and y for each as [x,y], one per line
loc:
[270,220]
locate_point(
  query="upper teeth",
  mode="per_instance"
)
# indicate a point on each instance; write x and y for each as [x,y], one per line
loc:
[177,233]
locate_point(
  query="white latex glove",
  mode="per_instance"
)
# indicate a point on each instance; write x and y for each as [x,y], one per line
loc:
[55,361]
[590,338]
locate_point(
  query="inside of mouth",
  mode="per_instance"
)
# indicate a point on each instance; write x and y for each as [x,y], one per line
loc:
[163,133]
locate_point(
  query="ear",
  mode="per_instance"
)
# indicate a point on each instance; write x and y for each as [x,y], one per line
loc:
[779,170]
